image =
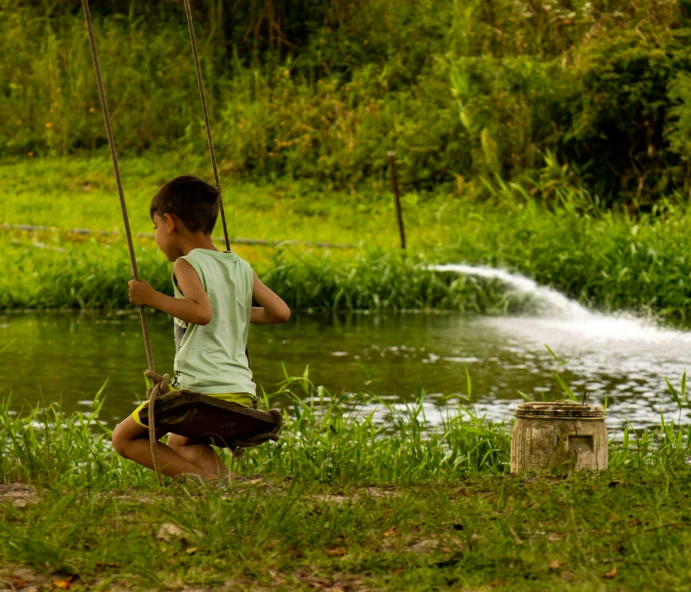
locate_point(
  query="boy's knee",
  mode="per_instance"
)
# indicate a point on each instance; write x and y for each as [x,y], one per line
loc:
[121,440]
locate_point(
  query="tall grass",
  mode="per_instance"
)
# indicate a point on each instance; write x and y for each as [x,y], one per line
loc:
[606,259]
[349,439]
[344,439]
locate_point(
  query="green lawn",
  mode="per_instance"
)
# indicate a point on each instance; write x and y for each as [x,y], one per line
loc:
[72,193]
[342,505]
[614,531]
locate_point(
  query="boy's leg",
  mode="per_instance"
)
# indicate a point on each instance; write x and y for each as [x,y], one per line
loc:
[132,441]
[198,453]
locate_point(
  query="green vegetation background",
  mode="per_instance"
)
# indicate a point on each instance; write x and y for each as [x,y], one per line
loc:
[546,136]
[594,94]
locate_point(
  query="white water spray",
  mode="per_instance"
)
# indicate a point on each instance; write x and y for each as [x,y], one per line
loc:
[561,315]
[553,303]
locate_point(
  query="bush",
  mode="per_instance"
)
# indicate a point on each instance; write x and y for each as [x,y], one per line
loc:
[621,132]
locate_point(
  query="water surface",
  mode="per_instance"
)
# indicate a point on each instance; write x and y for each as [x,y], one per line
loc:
[67,357]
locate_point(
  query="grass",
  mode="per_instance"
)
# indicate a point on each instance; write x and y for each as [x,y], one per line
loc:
[347,502]
[606,259]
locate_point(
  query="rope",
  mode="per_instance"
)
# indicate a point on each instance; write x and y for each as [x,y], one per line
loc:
[156,386]
[212,152]
[159,386]
[202,96]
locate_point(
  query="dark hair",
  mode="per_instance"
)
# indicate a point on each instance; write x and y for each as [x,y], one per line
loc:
[191,199]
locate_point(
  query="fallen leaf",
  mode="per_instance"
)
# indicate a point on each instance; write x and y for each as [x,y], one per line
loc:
[336,552]
[64,584]
[191,550]
[293,551]
[168,531]
[556,564]
[424,546]
[398,570]
[18,583]
[393,530]
[611,574]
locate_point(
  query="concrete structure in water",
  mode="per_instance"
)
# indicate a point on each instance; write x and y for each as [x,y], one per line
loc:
[564,436]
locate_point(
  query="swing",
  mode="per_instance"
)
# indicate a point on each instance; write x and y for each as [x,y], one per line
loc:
[189,414]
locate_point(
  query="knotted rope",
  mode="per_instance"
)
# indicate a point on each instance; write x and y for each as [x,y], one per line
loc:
[160,385]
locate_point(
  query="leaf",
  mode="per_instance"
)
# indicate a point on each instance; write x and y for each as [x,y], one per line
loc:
[683,385]
[555,356]
[611,574]
[527,398]
[673,392]
[336,552]
[556,564]
[64,584]
[392,531]
[470,384]
[191,550]
[566,388]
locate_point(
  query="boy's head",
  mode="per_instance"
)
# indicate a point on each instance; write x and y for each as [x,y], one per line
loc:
[191,200]
[185,204]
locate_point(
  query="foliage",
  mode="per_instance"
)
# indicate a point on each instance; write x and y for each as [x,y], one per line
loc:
[322,90]
[356,491]
[618,137]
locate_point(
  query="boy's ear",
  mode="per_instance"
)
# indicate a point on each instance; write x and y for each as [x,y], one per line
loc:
[172,222]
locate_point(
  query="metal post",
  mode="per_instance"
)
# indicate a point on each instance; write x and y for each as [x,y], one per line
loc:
[394,181]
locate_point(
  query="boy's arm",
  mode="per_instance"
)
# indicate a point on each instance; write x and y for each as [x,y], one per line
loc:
[194,308]
[272,310]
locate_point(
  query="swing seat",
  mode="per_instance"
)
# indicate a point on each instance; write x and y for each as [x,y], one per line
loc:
[212,420]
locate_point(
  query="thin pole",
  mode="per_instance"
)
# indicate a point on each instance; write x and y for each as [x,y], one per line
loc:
[397,197]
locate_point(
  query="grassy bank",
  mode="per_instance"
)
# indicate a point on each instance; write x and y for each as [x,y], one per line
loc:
[606,259]
[343,505]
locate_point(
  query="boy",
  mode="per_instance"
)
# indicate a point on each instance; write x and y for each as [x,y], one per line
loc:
[212,310]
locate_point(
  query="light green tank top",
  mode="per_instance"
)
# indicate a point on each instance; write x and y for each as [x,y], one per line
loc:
[210,359]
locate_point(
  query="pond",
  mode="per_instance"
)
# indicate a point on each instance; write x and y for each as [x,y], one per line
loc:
[67,358]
